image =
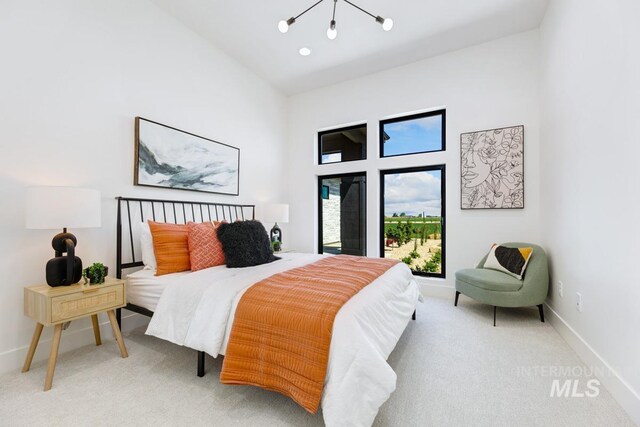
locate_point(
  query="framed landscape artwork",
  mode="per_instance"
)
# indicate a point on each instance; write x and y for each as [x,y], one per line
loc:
[492,169]
[171,158]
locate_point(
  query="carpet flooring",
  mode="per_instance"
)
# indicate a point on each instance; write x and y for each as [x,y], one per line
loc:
[454,369]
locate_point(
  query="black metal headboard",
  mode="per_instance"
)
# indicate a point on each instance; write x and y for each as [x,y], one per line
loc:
[132,210]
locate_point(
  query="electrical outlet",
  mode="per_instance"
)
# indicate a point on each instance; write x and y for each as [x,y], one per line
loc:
[579,301]
[560,288]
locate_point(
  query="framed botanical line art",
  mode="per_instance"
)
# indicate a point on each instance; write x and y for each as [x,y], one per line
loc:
[172,158]
[492,169]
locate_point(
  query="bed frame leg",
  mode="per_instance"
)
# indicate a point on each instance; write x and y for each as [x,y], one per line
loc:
[413,317]
[201,364]
[119,317]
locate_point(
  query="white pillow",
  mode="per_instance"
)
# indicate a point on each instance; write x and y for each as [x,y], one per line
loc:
[146,246]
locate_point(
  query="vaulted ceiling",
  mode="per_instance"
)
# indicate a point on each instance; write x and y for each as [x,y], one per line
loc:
[247,31]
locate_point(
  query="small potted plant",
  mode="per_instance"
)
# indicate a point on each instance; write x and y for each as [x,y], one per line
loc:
[95,273]
[277,246]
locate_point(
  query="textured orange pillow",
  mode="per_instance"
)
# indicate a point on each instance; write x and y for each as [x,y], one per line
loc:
[171,247]
[205,250]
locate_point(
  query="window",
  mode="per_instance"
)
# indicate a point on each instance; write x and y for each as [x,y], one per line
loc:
[419,133]
[412,217]
[342,214]
[342,145]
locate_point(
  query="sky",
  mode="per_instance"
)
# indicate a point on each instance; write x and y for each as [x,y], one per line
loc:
[414,136]
[413,193]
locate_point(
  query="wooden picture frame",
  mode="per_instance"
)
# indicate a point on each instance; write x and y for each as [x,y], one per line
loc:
[167,157]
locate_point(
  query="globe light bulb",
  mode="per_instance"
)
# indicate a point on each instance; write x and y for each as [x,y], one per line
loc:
[332,33]
[387,25]
[305,51]
[283,26]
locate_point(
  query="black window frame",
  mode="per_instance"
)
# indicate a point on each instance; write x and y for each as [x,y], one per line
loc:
[320,178]
[443,187]
[382,123]
[341,129]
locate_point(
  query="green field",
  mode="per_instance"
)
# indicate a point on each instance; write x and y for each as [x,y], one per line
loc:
[411,218]
[405,228]
[411,240]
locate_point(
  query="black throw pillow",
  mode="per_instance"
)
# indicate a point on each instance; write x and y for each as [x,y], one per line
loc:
[245,244]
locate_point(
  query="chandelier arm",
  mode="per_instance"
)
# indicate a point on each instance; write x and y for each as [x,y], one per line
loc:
[361,9]
[335,2]
[308,9]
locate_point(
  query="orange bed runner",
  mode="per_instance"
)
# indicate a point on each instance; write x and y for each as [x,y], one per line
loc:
[282,329]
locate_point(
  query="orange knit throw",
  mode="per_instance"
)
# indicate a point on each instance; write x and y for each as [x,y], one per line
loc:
[282,329]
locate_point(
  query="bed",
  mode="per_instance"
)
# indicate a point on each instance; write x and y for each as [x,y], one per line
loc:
[196,309]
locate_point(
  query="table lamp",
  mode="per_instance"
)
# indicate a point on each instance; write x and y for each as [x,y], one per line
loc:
[62,208]
[276,213]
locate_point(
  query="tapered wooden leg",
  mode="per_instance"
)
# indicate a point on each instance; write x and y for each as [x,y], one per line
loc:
[53,356]
[494,315]
[457,295]
[32,348]
[96,329]
[116,333]
[413,317]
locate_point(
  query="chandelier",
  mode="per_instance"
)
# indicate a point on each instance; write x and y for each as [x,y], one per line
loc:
[332,32]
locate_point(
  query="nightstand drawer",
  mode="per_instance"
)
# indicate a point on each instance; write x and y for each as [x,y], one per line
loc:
[68,307]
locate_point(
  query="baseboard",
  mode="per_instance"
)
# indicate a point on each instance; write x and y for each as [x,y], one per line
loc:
[72,339]
[626,396]
[435,288]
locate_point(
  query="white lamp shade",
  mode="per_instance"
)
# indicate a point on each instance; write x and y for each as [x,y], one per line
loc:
[275,213]
[60,207]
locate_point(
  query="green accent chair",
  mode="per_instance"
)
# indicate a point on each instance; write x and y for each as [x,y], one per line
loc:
[502,290]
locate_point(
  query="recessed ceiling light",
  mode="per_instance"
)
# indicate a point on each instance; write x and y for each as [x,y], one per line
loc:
[305,51]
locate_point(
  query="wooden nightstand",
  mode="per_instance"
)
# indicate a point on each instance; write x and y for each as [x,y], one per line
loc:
[56,306]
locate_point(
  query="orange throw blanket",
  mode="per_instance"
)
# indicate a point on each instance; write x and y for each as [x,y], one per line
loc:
[282,329]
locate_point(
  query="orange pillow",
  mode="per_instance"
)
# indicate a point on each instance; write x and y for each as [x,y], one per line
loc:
[205,250]
[171,247]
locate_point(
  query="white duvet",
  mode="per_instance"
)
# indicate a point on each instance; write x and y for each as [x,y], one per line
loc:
[197,310]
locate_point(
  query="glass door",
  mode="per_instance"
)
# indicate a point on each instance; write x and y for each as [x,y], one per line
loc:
[342,214]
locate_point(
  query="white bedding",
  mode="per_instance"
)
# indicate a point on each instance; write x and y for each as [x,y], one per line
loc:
[197,309]
[144,288]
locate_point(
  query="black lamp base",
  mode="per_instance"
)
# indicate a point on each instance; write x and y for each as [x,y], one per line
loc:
[64,270]
[275,234]
[57,271]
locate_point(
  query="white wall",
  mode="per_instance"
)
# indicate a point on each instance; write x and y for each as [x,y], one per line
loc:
[73,76]
[487,86]
[590,74]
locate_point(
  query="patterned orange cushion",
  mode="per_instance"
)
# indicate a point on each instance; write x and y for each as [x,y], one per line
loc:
[205,250]
[171,247]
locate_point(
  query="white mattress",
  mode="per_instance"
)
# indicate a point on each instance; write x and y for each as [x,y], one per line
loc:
[144,288]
